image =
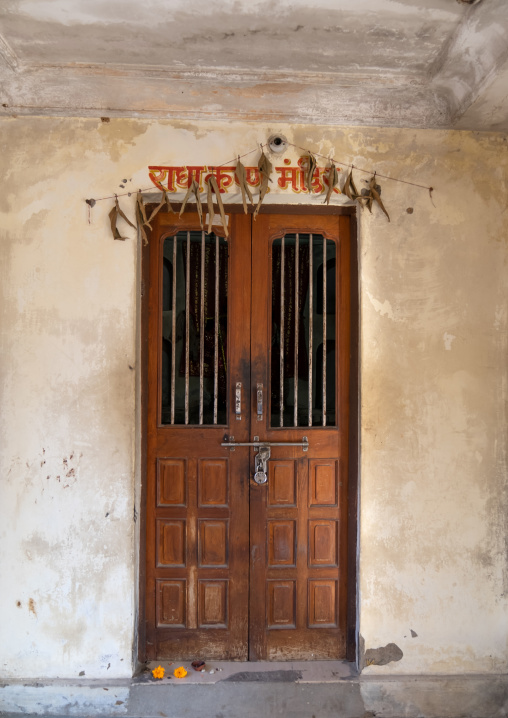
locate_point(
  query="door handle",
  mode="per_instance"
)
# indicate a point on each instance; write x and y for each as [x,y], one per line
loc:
[238,400]
[259,396]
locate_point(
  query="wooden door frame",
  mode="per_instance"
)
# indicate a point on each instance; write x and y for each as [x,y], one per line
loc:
[354,415]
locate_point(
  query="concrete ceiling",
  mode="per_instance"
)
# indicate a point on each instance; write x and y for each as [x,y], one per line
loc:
[401,63]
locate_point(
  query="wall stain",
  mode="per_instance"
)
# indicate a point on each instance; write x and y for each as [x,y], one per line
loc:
[31,606]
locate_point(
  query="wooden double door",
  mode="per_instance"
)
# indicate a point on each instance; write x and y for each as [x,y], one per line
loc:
[247,395]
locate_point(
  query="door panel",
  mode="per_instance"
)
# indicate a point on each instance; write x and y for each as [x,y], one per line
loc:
[197,492]
[237,569]
[299,518]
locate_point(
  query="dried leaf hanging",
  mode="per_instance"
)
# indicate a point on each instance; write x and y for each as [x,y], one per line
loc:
[349,188]
[141,205]
[193,189]
[244,187]
[113,218]
[187,196]
[141,217]
[375,195]
[163,203]
[367,198]
[198,203]
[211,211]
[265,169]
[309,172]
[332,178]
[213,187]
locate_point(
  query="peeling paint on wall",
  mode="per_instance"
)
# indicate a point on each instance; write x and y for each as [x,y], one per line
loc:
[383,655]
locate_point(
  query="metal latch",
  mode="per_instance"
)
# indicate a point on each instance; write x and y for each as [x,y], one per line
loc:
[260,465]
[262,449]
[257,444]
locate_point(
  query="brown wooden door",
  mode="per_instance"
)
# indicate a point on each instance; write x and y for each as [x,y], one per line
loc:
[248,341]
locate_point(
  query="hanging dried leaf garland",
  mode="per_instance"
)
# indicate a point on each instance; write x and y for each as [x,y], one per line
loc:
[332,179]
[213,187]
[163,203]
[241,176]
[366,197]
[265,170]
[193,189]
[113,218]
[309,172]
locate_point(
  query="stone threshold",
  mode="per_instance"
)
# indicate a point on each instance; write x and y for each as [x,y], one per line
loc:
[258,671]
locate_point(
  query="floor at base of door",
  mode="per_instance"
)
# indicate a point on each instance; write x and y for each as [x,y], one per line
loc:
[258,671]
[269,695]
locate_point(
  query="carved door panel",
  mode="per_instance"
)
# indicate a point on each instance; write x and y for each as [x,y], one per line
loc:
[247,343]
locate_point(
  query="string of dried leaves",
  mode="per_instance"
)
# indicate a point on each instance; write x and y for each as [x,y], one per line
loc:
[367,197]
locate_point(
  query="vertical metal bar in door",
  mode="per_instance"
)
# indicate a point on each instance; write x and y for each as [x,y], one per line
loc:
[216,335]
[173,335]
[187,312]
[297,292]
[281,409]
[311,325]
[324,331]
[202,330]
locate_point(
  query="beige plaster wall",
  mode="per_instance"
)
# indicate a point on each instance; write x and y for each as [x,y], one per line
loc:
[433,372]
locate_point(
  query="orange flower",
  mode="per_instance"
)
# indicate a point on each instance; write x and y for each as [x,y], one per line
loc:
[158,672]
[180,672]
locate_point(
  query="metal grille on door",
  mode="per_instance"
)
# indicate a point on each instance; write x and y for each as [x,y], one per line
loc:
[194,329]
[303,331]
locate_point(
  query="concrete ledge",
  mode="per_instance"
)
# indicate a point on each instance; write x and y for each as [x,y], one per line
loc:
[65,698]
[471,696]
[265,694]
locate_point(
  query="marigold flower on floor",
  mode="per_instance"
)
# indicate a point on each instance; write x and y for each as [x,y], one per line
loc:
[158,672]
[180,672]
